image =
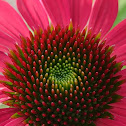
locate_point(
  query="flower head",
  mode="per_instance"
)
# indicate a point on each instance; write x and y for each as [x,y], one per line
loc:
[69,72]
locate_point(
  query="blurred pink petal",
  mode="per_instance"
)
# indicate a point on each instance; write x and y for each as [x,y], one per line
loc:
[3,58]
[80,11]
[6,113]
[34,13]
[103,15]
[108,122]
[11,23]
[58,11]
[121,53]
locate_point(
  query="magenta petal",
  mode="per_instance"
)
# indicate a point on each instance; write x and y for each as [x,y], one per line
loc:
[58,11]
[4,49]
[99,123]
[103,15]
[121,104]
[123,73]
[119,111]
[121,53]
[10,22]
[109,122]
[80,11]
[3,79]
[14,122]
[120,118]
[4,98]
[6,113]
[122,90]
[6,42]
[117,36]
[3,58]
[34,13]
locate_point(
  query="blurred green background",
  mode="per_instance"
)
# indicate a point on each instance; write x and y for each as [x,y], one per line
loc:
[122,11]
[120,17]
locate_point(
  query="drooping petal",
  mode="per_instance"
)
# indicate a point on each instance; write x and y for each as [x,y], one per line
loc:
[58,11]
[80,11]
[117,36]
[11,23]
[103,15]
[34,13]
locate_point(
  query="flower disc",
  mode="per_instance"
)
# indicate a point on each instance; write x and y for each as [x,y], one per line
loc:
[62,77]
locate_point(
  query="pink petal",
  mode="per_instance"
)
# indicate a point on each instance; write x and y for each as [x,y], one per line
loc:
[6,113]
[10,22]
[80,11]
[122,90]
[34,13]
[118,111]
[4,49]
[3,88]
[120,118]
[99,123]
[6,42]
[123,73]
[3,97]
[3,58]
[58,11]
[121,54]
[120,50]
[15,122]
[117,36]
[121,104]
[103,15]
[3,79]
[109,122]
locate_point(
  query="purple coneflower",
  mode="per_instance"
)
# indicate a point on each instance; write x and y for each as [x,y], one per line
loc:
[69,72]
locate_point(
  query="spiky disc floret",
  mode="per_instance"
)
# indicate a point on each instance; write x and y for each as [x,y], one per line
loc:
[62,77]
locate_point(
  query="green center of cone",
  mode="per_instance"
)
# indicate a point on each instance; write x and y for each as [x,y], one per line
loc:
[62,75]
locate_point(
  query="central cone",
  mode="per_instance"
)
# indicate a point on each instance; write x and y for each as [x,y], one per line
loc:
[62,77]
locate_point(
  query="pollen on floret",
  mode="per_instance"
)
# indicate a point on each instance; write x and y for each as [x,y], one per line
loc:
[62,76]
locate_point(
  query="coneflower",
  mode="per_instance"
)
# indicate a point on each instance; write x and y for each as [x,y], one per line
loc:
[69,72]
